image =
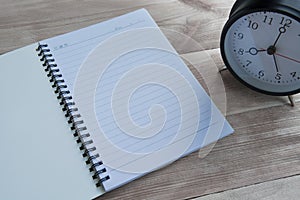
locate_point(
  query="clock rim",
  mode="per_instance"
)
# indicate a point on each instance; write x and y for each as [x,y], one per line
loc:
[233,18]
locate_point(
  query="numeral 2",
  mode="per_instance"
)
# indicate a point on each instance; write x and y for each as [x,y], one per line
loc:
[286,22]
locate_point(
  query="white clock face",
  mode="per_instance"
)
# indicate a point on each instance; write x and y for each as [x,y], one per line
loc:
[263,49]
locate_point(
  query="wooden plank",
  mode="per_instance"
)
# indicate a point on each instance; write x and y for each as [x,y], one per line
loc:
[266,144]
[238,98]
[264,147]
[25,22]
[283,189]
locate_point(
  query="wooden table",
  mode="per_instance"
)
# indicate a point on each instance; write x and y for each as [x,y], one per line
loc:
[260,160]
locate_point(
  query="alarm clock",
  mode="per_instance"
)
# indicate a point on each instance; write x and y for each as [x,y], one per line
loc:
[260,45]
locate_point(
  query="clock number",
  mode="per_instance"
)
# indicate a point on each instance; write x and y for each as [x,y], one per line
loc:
[278,77]
[294,74]
[253,25]
[241,51]
[248,63]
[268,20]
[286,22]
[261,73]
[240,36]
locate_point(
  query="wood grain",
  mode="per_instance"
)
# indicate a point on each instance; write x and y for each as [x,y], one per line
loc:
[266,142]
[283,189]
[264,147]
[259,150]
[25,22]
[239,98]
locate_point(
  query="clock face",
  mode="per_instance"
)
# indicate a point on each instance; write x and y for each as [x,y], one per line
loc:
[263,50]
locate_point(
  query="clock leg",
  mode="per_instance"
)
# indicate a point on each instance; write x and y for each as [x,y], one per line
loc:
[224,68]
[292,100]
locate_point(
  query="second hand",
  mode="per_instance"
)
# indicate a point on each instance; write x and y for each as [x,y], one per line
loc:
[283,56]
[286,57]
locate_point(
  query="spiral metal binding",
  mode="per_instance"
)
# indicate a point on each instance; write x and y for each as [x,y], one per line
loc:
[71,113]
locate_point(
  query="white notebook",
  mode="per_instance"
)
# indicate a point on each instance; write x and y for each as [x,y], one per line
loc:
[132,104]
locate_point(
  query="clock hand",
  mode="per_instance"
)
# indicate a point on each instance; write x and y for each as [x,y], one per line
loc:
[254,51]
[261,50]
[272,52]
[281,31]
[286,57]
[276,65]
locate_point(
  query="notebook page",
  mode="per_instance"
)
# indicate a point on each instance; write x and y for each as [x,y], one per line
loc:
[142,106]
[39,158]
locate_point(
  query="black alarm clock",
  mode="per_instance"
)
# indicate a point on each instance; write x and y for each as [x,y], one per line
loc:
[260,45]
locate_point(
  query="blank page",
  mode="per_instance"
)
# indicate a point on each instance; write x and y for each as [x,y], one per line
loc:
[141,104]
[39,156]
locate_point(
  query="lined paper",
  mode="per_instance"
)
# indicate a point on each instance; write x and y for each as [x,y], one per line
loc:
[142,106]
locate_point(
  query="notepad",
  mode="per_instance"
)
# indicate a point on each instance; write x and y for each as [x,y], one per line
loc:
[131,102]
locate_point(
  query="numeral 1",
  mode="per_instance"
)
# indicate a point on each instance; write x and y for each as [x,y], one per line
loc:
[286,22]
[253,25]
[268,20]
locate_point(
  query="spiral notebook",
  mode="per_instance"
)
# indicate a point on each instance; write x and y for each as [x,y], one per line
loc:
[131,104]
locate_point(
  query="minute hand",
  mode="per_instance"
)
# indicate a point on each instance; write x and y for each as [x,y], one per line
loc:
[281,31]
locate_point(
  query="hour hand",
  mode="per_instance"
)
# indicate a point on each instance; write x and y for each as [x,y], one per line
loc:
[254,51]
